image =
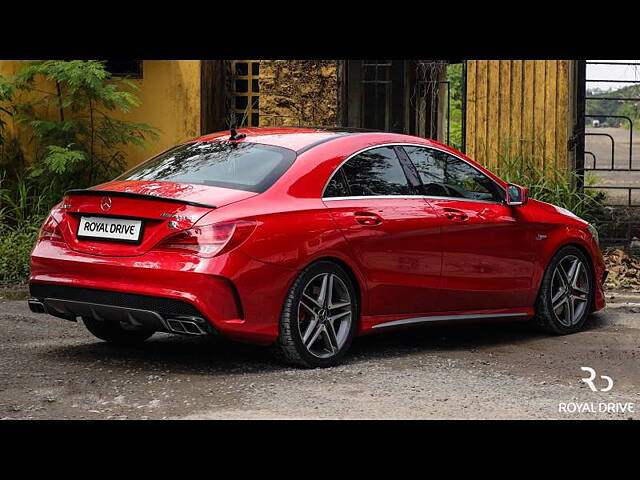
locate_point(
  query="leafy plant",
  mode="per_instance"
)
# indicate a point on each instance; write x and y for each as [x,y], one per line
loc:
[6,95]
[15,249]
[67,111]
[455,78]
[21,202]
[558,186]
[82,143]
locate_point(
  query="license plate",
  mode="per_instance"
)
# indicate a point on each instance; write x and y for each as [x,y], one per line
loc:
[107,228]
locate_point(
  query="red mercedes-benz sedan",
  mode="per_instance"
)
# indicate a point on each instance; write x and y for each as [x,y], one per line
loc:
[304,238]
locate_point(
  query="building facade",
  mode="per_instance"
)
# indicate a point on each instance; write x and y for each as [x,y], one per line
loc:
[490,110]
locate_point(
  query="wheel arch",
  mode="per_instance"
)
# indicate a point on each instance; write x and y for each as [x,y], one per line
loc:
[559,237]
[356,279]
[576,243]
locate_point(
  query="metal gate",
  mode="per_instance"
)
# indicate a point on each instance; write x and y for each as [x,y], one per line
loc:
[609,99]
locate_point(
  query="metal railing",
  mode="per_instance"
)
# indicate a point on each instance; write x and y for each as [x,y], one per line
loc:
[623,226]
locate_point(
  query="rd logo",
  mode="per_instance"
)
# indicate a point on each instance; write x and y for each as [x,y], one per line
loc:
[592,375]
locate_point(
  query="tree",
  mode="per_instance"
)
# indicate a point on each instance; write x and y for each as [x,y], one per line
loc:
[455,78]
[82,143]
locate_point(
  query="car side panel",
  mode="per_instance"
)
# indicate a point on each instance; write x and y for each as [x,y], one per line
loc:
[295,238]
[396,244]
[488,260]
[557,233]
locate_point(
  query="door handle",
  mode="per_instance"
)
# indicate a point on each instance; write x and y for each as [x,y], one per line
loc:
[453,214]
[368,218]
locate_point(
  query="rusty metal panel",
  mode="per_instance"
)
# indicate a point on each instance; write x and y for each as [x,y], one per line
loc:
[516,108]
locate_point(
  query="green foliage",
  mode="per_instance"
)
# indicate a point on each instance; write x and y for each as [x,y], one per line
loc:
[6,95]
[23,209]
[21,202]
[81,144]
[614,107]
[556,186]
[68,110]
[455,78]
[58,160]
[15,249]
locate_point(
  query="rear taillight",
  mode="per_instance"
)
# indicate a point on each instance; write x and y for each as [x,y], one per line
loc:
[50,230]
[209,240]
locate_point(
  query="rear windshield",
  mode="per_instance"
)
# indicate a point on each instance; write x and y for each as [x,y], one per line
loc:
[241,166]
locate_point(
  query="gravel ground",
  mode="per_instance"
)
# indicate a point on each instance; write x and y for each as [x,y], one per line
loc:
[52,368]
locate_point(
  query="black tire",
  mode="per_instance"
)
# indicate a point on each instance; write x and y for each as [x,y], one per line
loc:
[113,332]
[545,318]
[290,346]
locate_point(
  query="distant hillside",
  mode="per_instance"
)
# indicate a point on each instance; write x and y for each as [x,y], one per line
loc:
[615,107]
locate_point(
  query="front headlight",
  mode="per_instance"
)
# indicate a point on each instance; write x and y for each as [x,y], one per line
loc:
[594,232]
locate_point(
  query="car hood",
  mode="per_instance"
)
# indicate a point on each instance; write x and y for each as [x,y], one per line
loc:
[549,208]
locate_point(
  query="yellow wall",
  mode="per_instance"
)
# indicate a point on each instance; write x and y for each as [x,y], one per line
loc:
[170,100]
[519,107]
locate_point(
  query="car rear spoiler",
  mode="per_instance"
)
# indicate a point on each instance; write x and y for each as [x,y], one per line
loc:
[140,196]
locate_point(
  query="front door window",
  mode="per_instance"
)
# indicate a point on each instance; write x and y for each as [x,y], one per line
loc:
[444,175]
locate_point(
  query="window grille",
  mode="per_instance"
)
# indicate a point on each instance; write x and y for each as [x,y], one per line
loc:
[245,87]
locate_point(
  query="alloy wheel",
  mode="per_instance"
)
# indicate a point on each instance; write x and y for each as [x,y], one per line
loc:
[325,314]
[570,290]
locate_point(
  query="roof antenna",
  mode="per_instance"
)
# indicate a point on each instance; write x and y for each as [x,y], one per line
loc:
[235,135]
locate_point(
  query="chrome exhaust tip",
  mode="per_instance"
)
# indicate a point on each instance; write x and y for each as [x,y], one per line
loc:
[186,325]
[36,306]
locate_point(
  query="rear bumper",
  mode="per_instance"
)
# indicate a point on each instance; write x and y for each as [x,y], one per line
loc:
[137,311]
[228,293]
[599,301]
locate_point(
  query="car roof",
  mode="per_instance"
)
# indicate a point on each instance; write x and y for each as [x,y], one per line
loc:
[302,139]
[299,138]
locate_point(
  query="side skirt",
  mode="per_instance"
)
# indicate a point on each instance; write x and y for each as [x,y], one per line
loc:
[443,318]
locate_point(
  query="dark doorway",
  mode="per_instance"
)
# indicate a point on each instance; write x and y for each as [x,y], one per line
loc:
[401,96]
[374,94]
[213,97]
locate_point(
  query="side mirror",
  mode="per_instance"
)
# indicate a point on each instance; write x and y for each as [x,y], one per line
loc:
[516,195]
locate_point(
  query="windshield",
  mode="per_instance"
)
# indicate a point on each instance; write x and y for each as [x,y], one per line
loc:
[242,166]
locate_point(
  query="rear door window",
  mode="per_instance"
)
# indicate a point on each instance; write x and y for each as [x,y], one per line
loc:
[371,173]
[337,186]
[242,166]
